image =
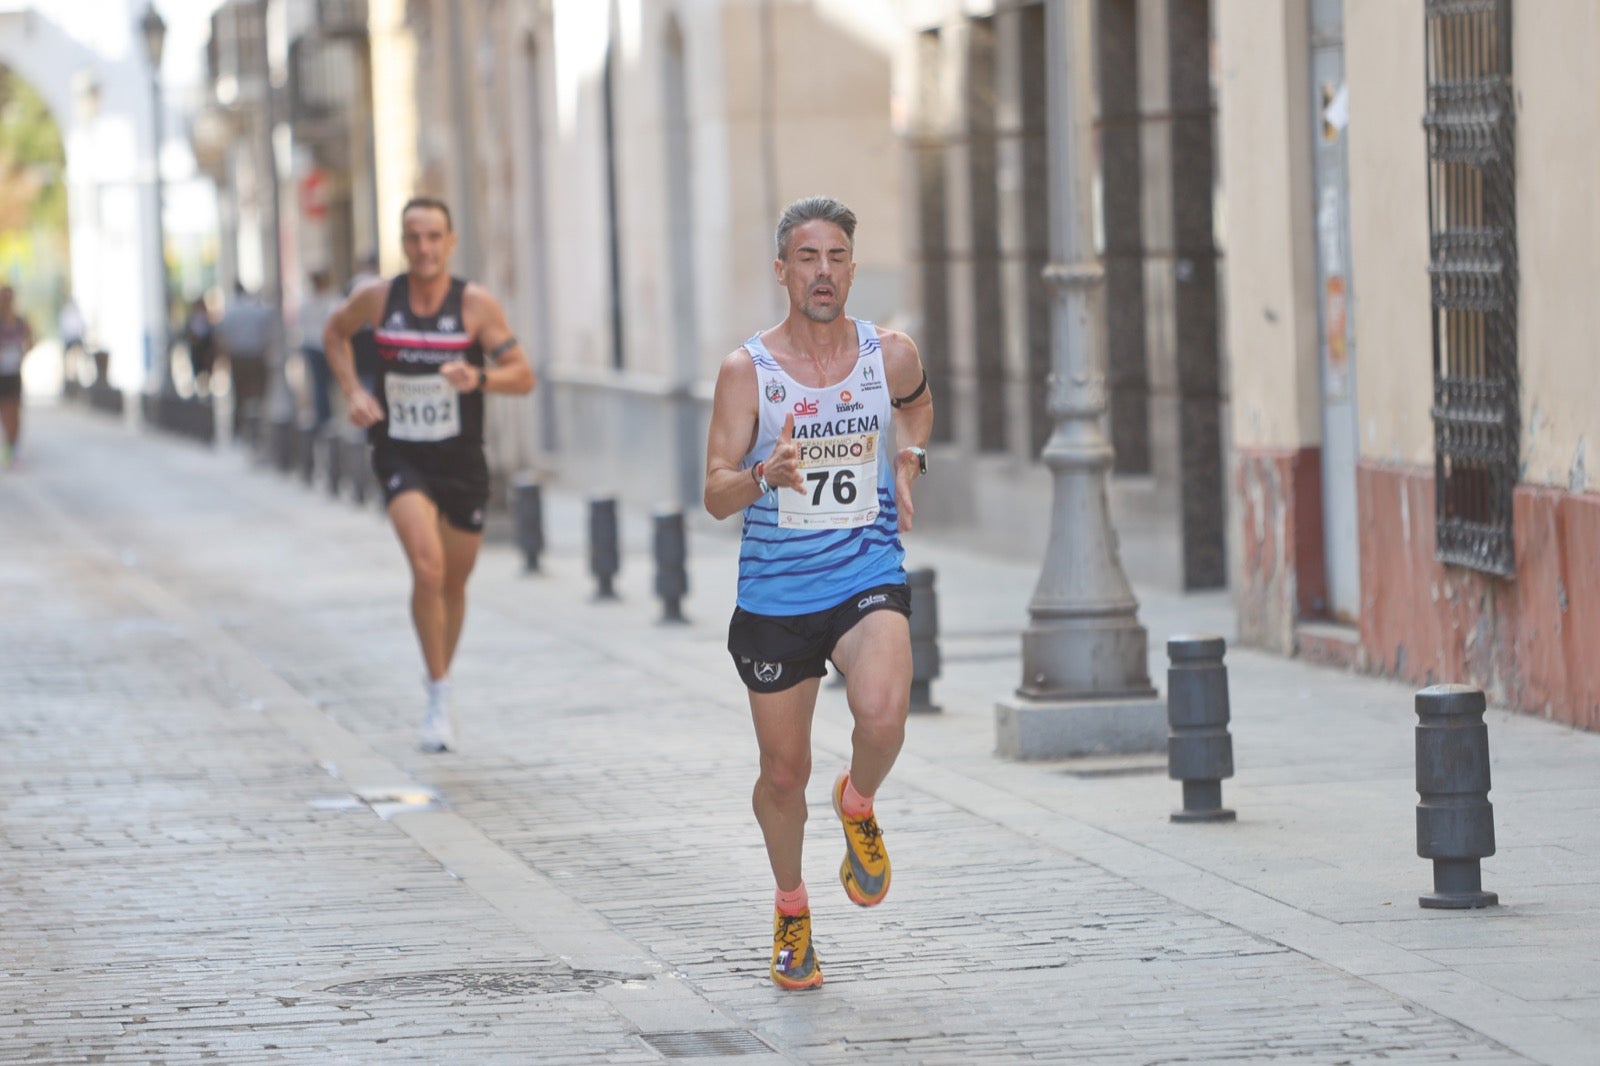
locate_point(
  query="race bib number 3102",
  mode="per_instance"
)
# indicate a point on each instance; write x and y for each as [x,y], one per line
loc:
[841,479]
[422,407]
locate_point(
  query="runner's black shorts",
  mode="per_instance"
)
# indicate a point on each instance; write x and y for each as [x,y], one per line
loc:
[776,652]
[10,385]
[462,500]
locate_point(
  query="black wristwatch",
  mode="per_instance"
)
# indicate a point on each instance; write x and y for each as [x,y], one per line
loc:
[483,379]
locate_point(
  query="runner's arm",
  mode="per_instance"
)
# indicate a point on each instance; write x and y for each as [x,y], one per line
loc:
[508,370]
[913,416]
[734,417]
[361,308]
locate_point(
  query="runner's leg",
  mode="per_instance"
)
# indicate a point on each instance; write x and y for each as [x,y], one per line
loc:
[783,734]
[875,657]
[416,523]
[460,555]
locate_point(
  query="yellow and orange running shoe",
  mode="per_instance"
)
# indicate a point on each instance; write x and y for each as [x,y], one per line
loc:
[865,870]
[794,963]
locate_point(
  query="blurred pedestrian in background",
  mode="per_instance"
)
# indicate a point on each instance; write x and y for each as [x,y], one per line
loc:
[244,336]
[315,308]
[71,328]
[199,336]
[16,338]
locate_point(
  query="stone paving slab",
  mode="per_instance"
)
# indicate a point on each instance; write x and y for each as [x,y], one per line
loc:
[213,656]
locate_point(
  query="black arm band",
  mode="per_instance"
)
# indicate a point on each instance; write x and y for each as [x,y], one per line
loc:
[502,349]
[920,389]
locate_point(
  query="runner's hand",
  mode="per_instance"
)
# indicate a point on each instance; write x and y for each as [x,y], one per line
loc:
[363,409]
[783,465]
[462,375]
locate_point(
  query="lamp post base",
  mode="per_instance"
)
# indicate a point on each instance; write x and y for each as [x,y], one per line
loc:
[1059,729]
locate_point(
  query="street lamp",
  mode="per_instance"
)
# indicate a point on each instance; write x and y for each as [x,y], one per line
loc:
[1085,681]
[154,31]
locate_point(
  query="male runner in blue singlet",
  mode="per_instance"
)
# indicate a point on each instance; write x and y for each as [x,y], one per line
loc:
[797,442]
[442,343]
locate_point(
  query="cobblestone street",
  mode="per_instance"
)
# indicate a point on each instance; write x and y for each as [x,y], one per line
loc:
[221,843]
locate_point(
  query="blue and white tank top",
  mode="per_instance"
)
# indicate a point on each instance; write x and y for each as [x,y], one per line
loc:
[807,551]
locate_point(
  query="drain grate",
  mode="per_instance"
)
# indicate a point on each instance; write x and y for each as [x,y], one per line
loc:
[706,1042]
[483,982]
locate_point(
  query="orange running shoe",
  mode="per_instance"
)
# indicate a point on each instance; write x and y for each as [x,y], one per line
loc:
[794,963]
[865,870]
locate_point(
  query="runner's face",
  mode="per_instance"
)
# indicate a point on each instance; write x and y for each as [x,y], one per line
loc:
[427,242]
[818,270]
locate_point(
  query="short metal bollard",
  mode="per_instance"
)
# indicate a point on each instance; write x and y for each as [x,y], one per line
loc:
[1455,821]
[305,453]
[672,555]
[604,554]
[1199,748]
[282,444]
[925,661]
[332,449]
[528,510]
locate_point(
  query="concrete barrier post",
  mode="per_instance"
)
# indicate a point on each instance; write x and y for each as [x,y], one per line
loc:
[925,661]
[672,573]
[1455,821]
[604,553]
[528,512]
[1199,747]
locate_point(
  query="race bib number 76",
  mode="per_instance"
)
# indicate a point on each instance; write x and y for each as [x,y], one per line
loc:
[841,484]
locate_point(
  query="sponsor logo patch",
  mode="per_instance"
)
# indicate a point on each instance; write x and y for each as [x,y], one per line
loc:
[776,392]
[805,408]
[871,601]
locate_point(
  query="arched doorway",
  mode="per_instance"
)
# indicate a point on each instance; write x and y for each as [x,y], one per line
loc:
[33,206]
[99,99]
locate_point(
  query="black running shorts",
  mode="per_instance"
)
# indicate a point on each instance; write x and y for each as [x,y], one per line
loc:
[10,385]
[462,501]
[777,652]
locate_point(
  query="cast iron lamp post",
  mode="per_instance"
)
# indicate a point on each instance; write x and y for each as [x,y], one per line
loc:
[1085,676]
[154,31]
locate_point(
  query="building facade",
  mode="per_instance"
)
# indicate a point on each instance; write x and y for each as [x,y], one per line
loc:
[1343,243]
[1409,237]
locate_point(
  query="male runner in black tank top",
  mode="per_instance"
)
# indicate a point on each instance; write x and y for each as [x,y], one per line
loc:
[442,343]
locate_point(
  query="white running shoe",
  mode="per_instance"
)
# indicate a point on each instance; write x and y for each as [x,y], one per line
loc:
[437,733]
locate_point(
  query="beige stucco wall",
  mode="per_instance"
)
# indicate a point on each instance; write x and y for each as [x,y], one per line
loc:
[823,83]
[1263,137]
[1389,228]
[1558,238]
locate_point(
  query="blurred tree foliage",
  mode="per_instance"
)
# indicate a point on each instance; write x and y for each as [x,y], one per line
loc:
[33,192]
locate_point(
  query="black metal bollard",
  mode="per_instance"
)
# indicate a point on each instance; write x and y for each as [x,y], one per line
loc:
[332,449]
[528,508]
[284,434]
[305,453]
[604,555]
[925,661]
[672,555]
[1199,749]
[1455,821]
[354,451]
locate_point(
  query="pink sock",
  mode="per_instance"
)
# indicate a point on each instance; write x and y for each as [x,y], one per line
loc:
[793,902]
[854,803]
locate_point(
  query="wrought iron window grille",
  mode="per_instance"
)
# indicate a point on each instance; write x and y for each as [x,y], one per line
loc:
[1472,268]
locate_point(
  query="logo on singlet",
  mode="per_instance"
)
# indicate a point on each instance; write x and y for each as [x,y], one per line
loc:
[396,320]
[447,324]
[776,392]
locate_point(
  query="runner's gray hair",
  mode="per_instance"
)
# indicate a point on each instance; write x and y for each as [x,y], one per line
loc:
[811,209]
